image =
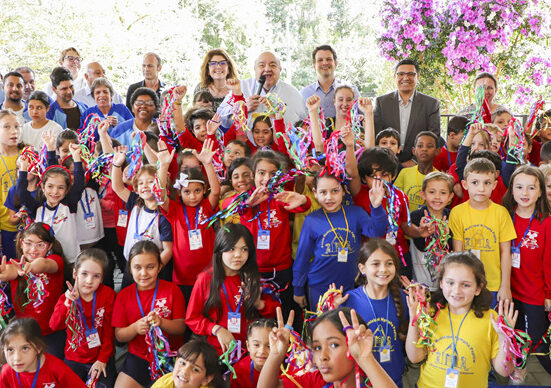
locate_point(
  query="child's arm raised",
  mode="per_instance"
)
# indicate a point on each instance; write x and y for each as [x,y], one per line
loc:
[500,363]
[41,265]
[205,157]
[350,160]
[165,158]
[506,262]
[415,354]
[119,188]
[177,114]
[21,188]
[105,140]
[78,186]
[366,107]
[7,271]
[313,104]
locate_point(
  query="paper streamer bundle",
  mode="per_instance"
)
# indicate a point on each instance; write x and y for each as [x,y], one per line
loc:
[231,356]
[298,144]
[392,208]
[165,122]
[75,326]
[299,358]
[326,302]
[159,355]
[545,339]
[529,128]
[138,144]
[5,309]
[98,168]
[334,160]
[354,119]
[270,287]
[37,162]
[275,105]
[34,290]
[158,192]
[517,345]
[516,141]
[86,134]
[423,318]
[437,245]
[237,205]
[240,118]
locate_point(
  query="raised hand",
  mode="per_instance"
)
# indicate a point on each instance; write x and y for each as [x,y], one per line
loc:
[213,124]
[412,300]
[507,309]
[75,152]
[360,339]
[260,194]
[313,103]
[179,93]
[103,127]
[119,155]
[49,139]
[365,105]
[72,293]
[207,152]
[291,198]
[234,85]
[341,298]
[24,163]
[376,193]
[347,136]
[163,156]
[280,335]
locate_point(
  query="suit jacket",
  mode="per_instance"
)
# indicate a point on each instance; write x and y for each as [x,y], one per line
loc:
[425,116]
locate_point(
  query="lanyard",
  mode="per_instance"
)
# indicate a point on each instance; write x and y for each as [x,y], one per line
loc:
[35,375]
[152,302]
[136,232]
[81,309]
[455,338]
[87,204]
[228,300]
[196,217]
[53,217]
[252,373]
[375,315]
[516,248]
[268,217]
[7,170]
[449,157]
[345,243]
[101,194]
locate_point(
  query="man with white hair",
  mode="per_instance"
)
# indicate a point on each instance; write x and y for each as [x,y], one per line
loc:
[94,70]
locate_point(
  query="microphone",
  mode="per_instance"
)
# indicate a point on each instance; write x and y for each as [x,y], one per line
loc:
[261,82]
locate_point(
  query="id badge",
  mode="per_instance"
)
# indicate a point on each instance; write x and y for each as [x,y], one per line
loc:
[384,354]
[195,239]
[234,322]
[515,256]
[342,256]
[263,240]
[90,221]
[92,338]
[123,218]
[391,237]
[452,378]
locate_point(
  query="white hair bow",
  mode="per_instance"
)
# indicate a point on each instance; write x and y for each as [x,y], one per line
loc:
[182,182]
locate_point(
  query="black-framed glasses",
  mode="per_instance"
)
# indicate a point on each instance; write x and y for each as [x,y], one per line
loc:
[70,58]
[219,63]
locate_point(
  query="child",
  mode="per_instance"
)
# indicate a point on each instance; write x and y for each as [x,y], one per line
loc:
[63,141]
[235,149]
[196,366]
[545,154]
[501,117]
[340,341]
[332,235]
[448,153]
[26,363]
[467,345]
[389,138]
[258,345]
[227,297]
[203,99]
[238,180]
[546,170]
[437,192]
[41,265]
[410,179]
[484,227]
[31,133]
[147,303]
[531,261]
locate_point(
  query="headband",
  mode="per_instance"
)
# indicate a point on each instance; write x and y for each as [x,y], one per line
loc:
[184,181]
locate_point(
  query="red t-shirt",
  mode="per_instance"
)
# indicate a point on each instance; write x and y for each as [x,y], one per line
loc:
[309,379]
[444,159]
[107,200]
[53,288]
[497,194]
[105,298]
[189,263]
[201,325]
[531,283]
[169,304]
[243,370]
[534,156]
[53,374]
[119,205]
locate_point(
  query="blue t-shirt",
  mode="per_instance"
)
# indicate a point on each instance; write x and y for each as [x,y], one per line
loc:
[384,328]
[120,111]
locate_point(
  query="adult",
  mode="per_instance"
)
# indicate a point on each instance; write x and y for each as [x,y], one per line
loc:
[216,68]
[144,104]
[489,82]
[93,71]
[324,59]
[28,78]
[268,65]
[65,110]
[31,132]
[13,96]
[407,110]
[103,92]
[71,60]
[151,67]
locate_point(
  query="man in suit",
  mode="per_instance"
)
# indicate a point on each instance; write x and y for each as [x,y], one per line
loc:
[407,110]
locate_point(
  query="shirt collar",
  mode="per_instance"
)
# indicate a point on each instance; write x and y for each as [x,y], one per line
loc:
[335,82]
[410,100]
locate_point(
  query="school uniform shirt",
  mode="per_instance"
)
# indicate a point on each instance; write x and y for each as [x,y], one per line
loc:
[167,381]
[444,159]
[382,319]
[89,230]
[483,230]
[122,219]
[33,137]
[477,345]
[531,283]
[8,178]
[309,379]
[410,181]
[300,217]
[101,321]
[109,211]
[146,223]
[169,304]
[53,288]
[64,225]
[318,237]
[53,374]
[247,375]
[189,263]
[202,325]
[120,111]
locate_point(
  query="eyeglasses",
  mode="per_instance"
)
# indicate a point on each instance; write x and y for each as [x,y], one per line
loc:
[142,103]
[409,74]
[219,63]
[70,58]
[40,245]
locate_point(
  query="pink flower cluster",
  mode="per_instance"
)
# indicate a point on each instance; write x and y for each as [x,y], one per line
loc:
[539,70]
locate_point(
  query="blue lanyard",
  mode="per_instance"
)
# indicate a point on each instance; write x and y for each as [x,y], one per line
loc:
[516,248]
[455,338]
[81,309]
[258,212]
[101,194]
[152,302]
[228,300]
[252,373]
[375,315]
[449,157]
[53,217]
[136,232]
[196,217]
[35,375]
[87,204]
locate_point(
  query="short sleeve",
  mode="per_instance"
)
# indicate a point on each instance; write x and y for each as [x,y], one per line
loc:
[165,229]
[456,224]
[120,319]
[132,199]
[508,231]
[178,303]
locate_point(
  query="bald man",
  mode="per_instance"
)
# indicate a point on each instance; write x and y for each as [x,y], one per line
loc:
[93,70]
[151,67]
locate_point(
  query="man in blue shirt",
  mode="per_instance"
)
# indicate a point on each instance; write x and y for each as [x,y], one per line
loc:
[13,96]
[28,78]
[65,111]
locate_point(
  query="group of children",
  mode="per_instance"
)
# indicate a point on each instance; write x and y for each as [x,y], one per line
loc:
[224,237]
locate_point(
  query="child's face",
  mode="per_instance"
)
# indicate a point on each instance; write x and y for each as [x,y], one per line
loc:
[478,143]
[343,99]
[144,184]
[232,152]
[480,186]
[258,345]
[34,247]
[425,149]
[88,277]
[502,121]
[200,129]
[545,130]
[262,134]
[144,268]
[20,354]
[436,195]
[329,194]
[203,104]
[193,194]
[378,173]
[265,170]
[495,143]
[526,190]
[37,110]
[330,352]
[64,150]
[548,187]
[188,374]
[379,269]
[391,143]
[242,179]
[55,189]
[459,287]
[454,139]
[189,162]
[235,258]
[9,131]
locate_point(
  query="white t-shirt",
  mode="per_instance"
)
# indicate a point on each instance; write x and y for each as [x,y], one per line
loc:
[64,227]
[89,229]
[148,228]
[33,137]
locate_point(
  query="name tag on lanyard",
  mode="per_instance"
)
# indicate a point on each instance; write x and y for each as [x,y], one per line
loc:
[195,239]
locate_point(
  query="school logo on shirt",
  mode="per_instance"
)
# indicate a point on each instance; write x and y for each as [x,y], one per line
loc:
[98,319]
[161,308]
[237,296]
[332,245]
[202,216]
[531,240]
[414,196]
[48,385]
[479,237]
[60,219]
[274,221]
[466,357]
[381,338]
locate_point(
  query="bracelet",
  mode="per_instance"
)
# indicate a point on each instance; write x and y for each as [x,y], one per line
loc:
[344,329]
[114,165]
[216,330]
[177,103]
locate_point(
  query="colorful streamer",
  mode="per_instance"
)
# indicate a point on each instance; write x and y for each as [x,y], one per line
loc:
[5,309]
[517,346]
[437,245]
[237,205]
[136,149]
[75,326]
[160,356]
[423,319]
[165,122]
[34,290]
[299,357]
[231,356]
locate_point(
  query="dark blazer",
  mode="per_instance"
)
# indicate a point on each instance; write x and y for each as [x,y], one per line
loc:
[132,88]
[425,116]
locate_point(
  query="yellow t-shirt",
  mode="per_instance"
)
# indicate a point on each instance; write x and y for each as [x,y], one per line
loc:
[299,218]
[477,345]
[410,181]
[483,230]
[164,382]
[8,178]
